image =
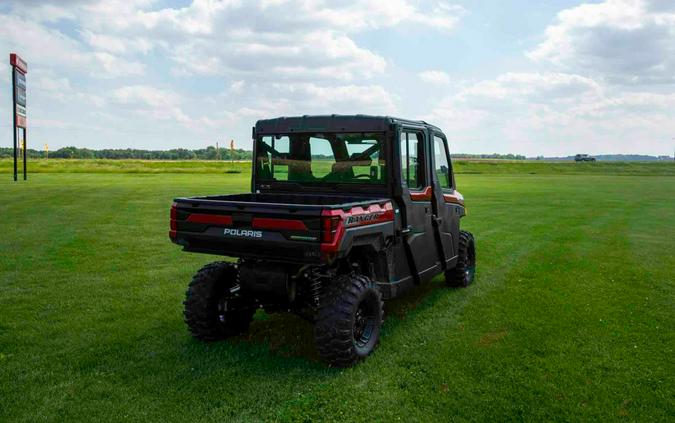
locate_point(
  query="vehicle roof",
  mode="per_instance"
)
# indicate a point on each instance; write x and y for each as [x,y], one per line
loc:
[333,123]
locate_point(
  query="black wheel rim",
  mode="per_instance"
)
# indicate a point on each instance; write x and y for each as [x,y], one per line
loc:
[470,264]
[227,306]
[364,323]
[469,274]
[222,311]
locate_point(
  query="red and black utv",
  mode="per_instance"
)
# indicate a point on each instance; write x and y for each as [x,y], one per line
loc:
[344,212]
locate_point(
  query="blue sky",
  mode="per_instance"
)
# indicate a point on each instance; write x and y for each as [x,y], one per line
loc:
[534,78]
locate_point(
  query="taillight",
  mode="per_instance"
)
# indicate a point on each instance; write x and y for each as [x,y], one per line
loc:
[172,222]
[329,228]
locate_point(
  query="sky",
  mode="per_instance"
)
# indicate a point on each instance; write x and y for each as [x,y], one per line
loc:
[550,78]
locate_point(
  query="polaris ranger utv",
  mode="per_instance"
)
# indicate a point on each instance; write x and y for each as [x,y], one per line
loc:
[344,212]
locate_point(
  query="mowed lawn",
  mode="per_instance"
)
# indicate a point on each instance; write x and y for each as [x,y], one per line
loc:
[572,316]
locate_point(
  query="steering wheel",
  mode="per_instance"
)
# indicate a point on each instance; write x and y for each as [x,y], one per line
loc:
[363,175]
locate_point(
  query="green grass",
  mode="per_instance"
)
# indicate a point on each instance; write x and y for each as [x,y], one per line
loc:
[126,166]
[506,167]
[572,316]
[489,167]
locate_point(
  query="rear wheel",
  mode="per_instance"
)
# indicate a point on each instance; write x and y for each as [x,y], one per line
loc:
[347,328]
[213,311]
[462,275]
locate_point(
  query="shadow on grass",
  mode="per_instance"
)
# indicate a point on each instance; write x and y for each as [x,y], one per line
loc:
[286,336]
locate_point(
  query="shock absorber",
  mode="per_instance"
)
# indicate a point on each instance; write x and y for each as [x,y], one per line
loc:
[315,286]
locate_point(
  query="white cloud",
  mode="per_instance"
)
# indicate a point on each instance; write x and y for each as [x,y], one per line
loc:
[38,43]
[114,66]
[249,102]
[145,95]
[598,82]
[145,102]
[443,16]
[114,44]
[554,113]
[290,39]
[434,77]
[316,55]
[273,57]
[534,88]
[49,48]
[237,87]
[623,41]
[337,99]
[50,83]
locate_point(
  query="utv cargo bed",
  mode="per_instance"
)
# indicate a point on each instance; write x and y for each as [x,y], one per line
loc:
[268,226]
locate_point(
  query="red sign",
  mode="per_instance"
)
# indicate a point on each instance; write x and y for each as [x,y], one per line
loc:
[20,116]
[18,62]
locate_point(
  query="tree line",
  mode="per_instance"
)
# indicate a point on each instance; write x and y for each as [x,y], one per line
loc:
[208,153]
[494,156]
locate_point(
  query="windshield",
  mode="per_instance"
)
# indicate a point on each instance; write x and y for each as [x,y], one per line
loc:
[353,158]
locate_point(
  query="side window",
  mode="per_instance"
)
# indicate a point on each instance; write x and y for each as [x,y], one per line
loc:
[412,168]
[442,160]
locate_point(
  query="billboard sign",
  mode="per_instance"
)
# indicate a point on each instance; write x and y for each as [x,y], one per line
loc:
[19,70]
[20,87]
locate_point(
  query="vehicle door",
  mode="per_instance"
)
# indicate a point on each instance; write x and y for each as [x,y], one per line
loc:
[448,203]
[417,196]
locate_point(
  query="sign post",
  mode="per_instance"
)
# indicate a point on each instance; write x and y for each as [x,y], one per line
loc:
[19,71]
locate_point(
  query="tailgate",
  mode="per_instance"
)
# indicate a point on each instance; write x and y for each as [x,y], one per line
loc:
[289,232]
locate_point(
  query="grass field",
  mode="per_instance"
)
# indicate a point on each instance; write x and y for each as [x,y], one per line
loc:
[572,316]
[489,167]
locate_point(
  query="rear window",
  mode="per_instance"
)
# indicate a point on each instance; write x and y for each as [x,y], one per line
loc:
[352,158]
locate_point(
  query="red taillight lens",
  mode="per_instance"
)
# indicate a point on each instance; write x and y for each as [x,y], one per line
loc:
[329,227]
[172,222]
[173,217]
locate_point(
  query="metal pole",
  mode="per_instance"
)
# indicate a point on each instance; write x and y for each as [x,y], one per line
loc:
[14,119]
[25,153]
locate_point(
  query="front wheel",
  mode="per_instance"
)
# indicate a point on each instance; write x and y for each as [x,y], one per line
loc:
[465,271]
[347,327]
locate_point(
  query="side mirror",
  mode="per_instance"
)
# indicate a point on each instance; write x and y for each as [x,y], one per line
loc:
[444,169]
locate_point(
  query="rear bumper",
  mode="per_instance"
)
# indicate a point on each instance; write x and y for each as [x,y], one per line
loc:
[267,247]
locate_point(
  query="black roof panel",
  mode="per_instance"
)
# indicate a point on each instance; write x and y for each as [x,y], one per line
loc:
[331,123]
